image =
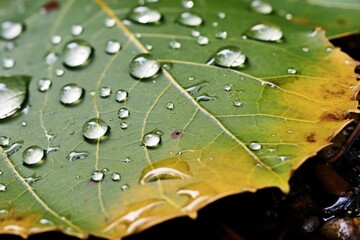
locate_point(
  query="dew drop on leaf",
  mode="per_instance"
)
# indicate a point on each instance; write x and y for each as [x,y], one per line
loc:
[72,156]
[149,47]
[264,32]
[221,15]
[4,141]
[187,4]
[56,39]
[255,146]
[77,54]
[2,187]
[112,47]
[196,88]
[204,98]
[190,19]
[23,123]
[221,35]
[14,147]
[121,95]
[44,84]
[109,22]
[71,94]
[291,71]
[8,63]
[97,176]
[95,129]
[144,66]
[115,176]
[50,58]
[202,40]
[144,15]
[227,87]
[33,178]
[152,139]
[124,125]
[124,187]
[194,33]
[237,103]
[105,92]
[76,30]
[261,7]
[305,49]
[123,113]
[11,30]
[59,72]
[170,105]
[229,56]
[33,155]
[174,45]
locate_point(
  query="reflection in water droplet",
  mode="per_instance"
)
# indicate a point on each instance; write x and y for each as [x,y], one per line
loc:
[204,98]
[44,85]
[144,66]
[229,56]
[237,103]
[109,22]
[255,146]
[105,92]
[124,125]
[227,87]
[221,35]
[121,95]
[72,156]
[112,47]
[123,113]
[56,39]
[291,71]
[2,187]
[13,92]
[97,176]
[10,30]
[115,176]
[50,58]
[95,129]
[261,7]
[4,141]
[202,40]
[190,19]
[170,105]
[77,53]
[14,147]
[71,94]
[59,72]
[8,63]
[33,156]
[76,30]
[152,139]
[175,44]
[187,3]
[144,15]
[265,32]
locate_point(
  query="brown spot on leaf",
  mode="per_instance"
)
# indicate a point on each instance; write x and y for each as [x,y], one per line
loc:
[326,116]
[177,134]
[50,6]
[311,138]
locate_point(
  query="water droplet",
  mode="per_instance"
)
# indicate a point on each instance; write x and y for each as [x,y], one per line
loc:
[202,40]
[9,46]
[2,187]
[72,156]
[305,49]
[105,170]
[229,56]
[121,95]
[112,47]
[221,35]
[95,129]
[196,88]
[77,53]
[50,58]
[221,15]
[23,123]
[97,176]
[33,156]
[71,94]
[138,35]
[124,187]
[44,221]
[314,33]
[123,113]
[76,30]
[124,125]
[265,32]
[175,45]
[170,105]
[237,103]
[33,178]
[56,39]
[127,160]
[44,85]
[255,146]
[149,47]
[59,72]
[195,33]
[14,148]
[13,92]
[109,22]
[261,7]
[52,149]
[152,139]
[227,87]
[8,63]
[11,30]
[105,92]
[4,141]
[144,66]
[282,158]
[191,78]
[329,49]
[115,176]
[215,24]
[204,98]
[190,19]
[187,4]
[291,71]
[144,15]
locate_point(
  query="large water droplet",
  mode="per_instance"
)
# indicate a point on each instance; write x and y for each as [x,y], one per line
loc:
[97,176]
[72,156]
[33,156]
[77,54]
[123,113]
[105,92]
[115,176]
[76,30]
[190,19]
[44,85]
[112,47]
[255,146]
[121,95]
[4,141]
[144,66]
[11,30]
[71,94]
[152,139]
[95,129]
[229,56]
[144,15]
[265,32]
[2,187]
[261,7]
[13,93]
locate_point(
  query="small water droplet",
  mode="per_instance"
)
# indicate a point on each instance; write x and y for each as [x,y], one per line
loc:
[237,103]
[261,7]
[124,125]
[9,46]
[204,98]
[112,47]
[187,4]
[138,35]
[265,32]
[170,105]
[76,30]
[97,176]
[190,19]
[121,95]
[175,44]
[291,71]
[149,47]
[23,123]
[33,178]
[4,141]
[52,149]
[14,147]
[44,221]
[2,187]
[144,15]
[59,72]
[10,30]
[227,87]
[144,66]
[71,94]
[56,39]
[194,33]
[329,49]
[74,155]
[191,78]
[202,40]
[215,24]
[105,92]
[44,84]
[124,187]
[33,156]
[127,160]
[305,49]
[255,146]
[77,54]
[8,63]
[123,113]
[51,58]
[221,15]
[196,88]
[109,22]
[229,56]
[221,35]
[282,158]
[95,129]
[115,176]
[152,139]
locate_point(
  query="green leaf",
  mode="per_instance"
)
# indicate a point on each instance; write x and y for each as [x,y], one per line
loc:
[188,134]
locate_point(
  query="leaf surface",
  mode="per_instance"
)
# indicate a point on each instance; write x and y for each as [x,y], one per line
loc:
[222,130]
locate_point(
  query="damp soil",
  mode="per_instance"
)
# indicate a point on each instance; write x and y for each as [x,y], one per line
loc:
[323,203]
